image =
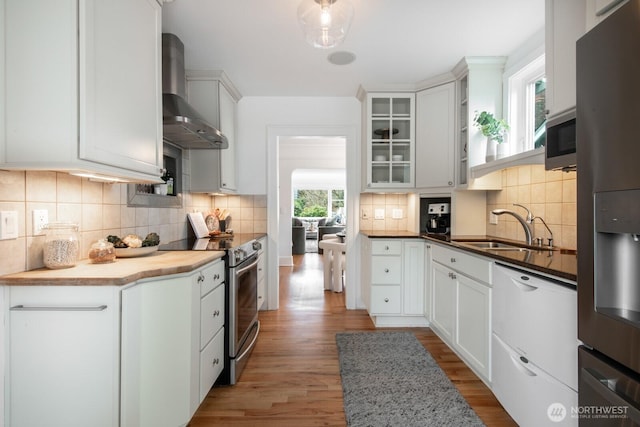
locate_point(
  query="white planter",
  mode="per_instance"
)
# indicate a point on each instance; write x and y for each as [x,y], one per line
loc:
[491,150]
[502,150]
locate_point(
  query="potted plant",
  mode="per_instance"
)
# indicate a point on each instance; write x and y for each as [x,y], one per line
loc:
[494,129]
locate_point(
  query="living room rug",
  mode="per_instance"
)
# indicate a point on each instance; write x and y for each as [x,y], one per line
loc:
[389,379]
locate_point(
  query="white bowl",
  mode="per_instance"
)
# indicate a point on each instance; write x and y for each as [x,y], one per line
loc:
[397,157]
[379,158]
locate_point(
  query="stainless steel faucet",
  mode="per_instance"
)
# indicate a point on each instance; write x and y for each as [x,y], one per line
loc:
[550,239]
[524,222]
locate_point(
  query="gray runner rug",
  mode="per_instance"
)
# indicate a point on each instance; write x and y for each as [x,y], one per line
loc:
[389,379]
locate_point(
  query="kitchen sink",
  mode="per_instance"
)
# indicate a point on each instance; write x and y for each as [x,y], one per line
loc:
[493,245]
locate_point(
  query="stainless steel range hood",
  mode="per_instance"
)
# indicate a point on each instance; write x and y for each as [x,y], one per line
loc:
[182,125]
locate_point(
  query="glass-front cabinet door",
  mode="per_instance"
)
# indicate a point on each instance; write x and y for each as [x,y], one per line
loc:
[390,140]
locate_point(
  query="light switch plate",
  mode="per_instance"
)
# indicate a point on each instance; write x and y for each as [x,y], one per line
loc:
[8,225]
[397,214]
[493,218]
[378,214]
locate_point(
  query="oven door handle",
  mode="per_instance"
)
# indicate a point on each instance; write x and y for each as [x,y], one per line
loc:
[248,267]
[250,346]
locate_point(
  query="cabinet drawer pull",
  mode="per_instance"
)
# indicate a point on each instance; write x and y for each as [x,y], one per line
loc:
[46,308]
[216,313]
[215,361]
[216,276]
[200,278]
[453,260]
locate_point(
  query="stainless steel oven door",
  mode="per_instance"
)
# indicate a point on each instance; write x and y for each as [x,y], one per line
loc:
[243,302]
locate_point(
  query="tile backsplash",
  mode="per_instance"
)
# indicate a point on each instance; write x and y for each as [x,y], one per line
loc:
[101,209]
[548,194]
[386,204]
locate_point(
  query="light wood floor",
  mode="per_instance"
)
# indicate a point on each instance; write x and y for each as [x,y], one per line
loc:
[293,379]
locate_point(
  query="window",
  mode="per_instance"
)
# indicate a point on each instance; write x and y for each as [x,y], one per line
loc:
[319,204]
[526,106]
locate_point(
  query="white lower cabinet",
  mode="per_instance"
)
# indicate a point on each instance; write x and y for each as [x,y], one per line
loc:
[262,270]
[443,301]
[145,354]
[63,356]
[535,351]
[461,306]
[394,283]
[528,392]
[160,319]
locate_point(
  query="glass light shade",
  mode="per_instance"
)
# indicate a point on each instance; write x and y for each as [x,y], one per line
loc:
[325,22]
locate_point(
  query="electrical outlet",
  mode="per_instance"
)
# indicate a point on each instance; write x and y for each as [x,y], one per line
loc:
[378,214]
[493,218]
[364,214]
[40,218]
[397,214]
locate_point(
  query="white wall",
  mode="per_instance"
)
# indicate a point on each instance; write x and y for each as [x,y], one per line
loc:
[264,121]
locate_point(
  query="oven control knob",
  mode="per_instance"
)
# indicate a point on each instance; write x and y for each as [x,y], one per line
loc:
[240,255]
[256,246]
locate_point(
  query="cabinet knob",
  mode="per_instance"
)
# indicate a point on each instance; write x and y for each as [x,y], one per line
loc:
[216,276]
[453,260]
[450,183]
[386,248]
[453,276]
[215,361]
[216,313]
[200,278]
[386,300]
[386,270]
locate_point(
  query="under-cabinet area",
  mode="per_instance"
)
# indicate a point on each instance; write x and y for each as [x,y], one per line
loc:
[154,345]
[513,323]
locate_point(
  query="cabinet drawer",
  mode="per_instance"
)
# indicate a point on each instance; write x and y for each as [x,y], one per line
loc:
[210,277]
[211,363]
[211,314]
[386,247]
[386,270]
[385,300]
[472,266]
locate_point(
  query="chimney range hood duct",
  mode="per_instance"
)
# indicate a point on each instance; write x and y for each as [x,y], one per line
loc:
[182,125]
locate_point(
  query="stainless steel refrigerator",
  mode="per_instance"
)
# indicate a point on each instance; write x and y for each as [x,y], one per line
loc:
[608,159]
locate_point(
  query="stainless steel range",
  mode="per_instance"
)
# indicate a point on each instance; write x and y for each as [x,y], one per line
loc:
[241,289]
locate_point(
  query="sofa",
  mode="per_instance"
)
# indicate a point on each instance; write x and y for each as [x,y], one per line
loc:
[298,237]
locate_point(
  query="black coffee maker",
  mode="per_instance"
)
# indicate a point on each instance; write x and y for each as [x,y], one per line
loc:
[438,218]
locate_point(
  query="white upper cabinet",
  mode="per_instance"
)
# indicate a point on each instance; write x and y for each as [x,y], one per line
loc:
[390,140]
[479,87]
[435,137]
[213,95]
[564,25]
[83,87]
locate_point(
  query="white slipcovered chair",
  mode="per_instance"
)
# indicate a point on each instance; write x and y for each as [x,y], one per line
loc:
[334,261]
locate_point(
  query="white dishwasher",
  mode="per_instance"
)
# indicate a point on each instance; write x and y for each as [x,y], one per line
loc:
[534,340]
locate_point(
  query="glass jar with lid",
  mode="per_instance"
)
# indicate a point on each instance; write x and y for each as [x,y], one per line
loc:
[61,245]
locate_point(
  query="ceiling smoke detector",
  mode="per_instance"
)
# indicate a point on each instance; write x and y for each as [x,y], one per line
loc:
[341,57]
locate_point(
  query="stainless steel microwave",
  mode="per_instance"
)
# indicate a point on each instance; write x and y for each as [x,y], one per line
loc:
[560,151]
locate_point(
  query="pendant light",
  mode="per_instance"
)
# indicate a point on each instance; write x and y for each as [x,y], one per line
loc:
[325,22]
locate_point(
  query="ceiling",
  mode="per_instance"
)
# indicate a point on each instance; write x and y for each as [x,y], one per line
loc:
[260,46]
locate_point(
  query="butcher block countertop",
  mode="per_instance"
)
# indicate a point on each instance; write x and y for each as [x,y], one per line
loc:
[120,272]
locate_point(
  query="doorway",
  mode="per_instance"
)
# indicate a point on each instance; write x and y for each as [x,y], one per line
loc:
[283,144]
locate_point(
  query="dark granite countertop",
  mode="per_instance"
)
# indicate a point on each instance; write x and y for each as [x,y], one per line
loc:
[561,263]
